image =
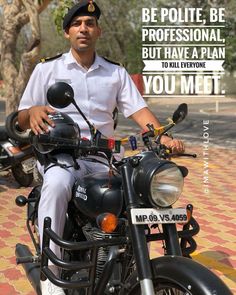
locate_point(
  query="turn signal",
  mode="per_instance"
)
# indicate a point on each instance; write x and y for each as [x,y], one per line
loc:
[107,222]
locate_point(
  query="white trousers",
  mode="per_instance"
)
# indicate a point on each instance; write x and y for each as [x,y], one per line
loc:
[56,192]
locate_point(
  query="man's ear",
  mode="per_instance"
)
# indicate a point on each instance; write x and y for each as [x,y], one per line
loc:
[66,33]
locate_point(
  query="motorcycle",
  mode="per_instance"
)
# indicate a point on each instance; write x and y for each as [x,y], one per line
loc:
[112,217]
[16,153]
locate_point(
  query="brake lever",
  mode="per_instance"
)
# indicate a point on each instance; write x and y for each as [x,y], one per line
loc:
[175,155]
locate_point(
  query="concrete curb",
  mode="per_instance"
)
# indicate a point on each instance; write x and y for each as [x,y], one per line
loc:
[189,100]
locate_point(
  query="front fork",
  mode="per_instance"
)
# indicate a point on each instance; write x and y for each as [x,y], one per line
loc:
[138,237]
[171,240]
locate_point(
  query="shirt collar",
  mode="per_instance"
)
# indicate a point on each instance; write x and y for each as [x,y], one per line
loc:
[69,58]
[99,61]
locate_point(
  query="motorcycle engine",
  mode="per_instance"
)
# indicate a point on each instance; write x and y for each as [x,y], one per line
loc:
[95,194]
[93,233]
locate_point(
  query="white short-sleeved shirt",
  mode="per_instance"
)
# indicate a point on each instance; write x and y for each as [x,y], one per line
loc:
[97,91]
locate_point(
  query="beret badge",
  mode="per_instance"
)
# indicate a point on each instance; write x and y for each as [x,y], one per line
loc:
[91,7]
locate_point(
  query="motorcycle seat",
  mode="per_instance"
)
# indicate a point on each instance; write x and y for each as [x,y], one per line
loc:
[3,133]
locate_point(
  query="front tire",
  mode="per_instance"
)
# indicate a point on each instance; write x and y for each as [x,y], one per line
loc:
[180,276]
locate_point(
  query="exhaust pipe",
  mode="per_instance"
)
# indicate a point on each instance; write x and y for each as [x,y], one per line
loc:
[32,269]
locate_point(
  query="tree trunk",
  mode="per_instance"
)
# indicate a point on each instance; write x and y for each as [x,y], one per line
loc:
[15,15]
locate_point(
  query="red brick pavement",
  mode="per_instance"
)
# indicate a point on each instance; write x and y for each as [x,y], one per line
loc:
[214,209]
[12,231]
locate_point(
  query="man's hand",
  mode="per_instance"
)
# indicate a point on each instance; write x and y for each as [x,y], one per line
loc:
[144,117]
[177,146]
[39,120]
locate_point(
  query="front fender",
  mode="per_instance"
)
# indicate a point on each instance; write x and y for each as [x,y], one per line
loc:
[189,274]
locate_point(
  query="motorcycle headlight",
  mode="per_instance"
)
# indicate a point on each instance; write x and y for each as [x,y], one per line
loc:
[157,182]
[166,186]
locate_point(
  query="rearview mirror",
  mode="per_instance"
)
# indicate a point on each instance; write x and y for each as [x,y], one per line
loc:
[180,114]
[60,95]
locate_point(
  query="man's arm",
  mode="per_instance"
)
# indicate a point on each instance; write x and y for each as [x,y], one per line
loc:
[144,116]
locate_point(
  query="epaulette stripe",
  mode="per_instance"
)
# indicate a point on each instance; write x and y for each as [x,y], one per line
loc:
[50,58]
[113,62]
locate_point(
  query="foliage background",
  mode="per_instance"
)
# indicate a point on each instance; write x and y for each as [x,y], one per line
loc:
[121,25]
[121,39]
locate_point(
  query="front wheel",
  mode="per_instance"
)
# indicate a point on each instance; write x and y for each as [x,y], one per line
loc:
[180,276]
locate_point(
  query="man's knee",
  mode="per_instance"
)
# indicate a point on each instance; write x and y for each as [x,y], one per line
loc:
[57,187]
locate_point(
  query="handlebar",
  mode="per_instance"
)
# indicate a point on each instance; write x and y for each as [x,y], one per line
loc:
[81,145]
[175,155]
[84,146]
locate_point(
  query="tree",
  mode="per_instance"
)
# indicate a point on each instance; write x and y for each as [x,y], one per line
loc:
[16,66]
[17,14]
[121,39]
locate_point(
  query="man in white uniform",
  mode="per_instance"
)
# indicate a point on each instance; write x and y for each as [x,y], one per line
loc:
[99,86]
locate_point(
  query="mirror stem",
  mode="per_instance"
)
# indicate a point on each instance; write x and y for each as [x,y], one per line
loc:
[91,128]
[158,138]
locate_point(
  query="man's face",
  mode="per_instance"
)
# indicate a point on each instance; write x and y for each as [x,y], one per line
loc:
[83,33]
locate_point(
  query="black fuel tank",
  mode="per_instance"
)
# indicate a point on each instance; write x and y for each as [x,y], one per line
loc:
[98,193]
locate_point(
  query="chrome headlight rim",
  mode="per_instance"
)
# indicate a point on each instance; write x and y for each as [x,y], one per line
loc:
[173,193]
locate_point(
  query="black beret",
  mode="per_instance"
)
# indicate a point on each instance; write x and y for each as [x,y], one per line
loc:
[84,7]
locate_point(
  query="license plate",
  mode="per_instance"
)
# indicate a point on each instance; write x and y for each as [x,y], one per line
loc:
[28,165]
[150,215]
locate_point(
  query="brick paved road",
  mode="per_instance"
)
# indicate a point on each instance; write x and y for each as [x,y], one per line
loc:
[215,211]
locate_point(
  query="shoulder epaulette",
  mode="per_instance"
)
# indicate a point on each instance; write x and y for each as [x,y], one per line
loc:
[46,59]
[113,62]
